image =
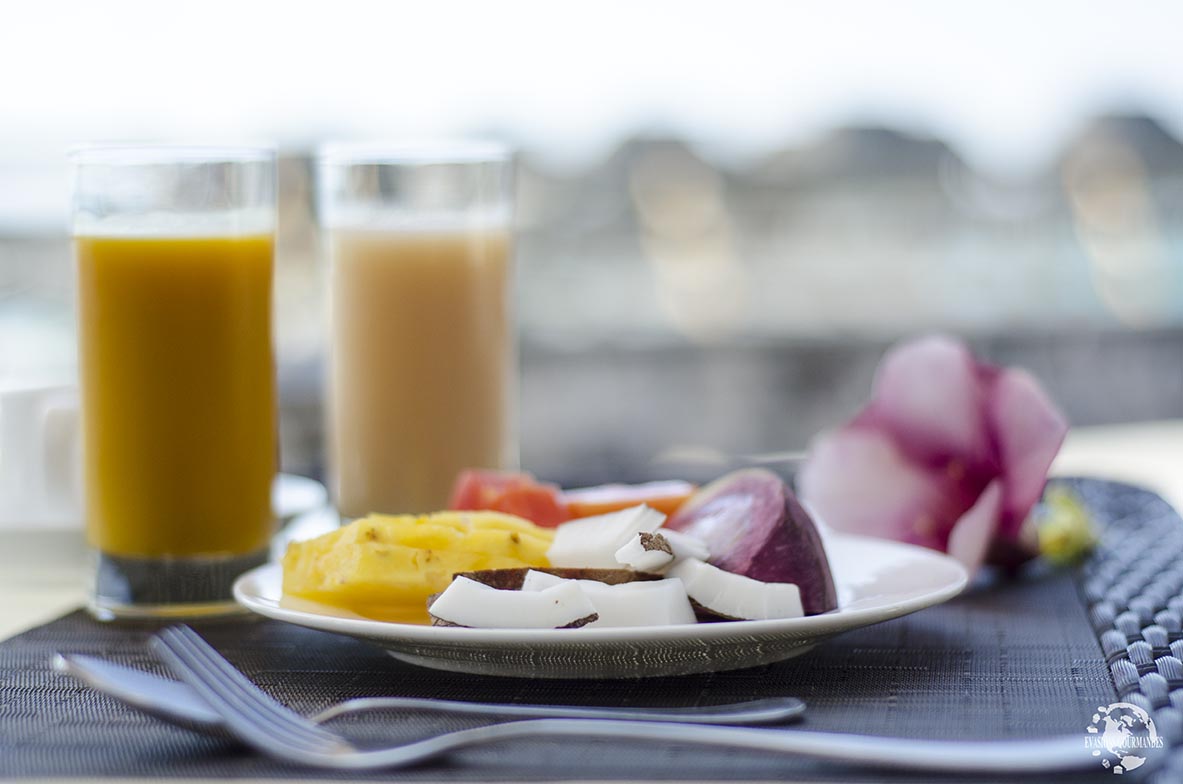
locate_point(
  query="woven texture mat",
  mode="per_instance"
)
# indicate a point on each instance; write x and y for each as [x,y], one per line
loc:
[1017,658]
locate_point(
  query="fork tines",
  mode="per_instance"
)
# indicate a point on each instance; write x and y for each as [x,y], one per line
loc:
[260,721]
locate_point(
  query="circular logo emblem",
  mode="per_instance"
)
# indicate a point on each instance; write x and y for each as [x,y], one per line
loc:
[1121,735]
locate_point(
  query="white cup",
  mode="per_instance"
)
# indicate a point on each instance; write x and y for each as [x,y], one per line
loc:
[40,457]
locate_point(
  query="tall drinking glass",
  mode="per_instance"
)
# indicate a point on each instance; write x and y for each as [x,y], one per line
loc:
[174,250]
[423,361]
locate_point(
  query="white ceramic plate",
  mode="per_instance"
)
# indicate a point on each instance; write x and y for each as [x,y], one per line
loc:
[876,579]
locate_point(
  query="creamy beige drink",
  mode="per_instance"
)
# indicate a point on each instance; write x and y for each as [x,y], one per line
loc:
[421,363]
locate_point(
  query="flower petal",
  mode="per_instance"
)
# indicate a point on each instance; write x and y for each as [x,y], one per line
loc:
[1028,431]
[927,394]
[971,535]
[858,481]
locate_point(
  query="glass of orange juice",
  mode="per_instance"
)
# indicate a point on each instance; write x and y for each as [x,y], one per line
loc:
[174,251]
[423,372]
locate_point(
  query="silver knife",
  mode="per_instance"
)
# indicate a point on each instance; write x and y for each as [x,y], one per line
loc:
[163,698]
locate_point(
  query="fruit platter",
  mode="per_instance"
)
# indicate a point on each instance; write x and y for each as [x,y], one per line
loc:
[521,579]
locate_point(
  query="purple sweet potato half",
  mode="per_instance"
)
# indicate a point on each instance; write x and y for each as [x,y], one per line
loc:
[754,526]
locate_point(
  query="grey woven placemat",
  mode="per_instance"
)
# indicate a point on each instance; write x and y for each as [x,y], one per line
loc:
[1016,658]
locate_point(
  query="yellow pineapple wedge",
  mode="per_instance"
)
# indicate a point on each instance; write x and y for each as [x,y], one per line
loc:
[385,566]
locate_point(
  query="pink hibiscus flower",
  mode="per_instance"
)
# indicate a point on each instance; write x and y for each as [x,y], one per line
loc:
[950,453]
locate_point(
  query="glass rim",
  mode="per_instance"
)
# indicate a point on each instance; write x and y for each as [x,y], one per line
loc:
[166,154]
[413,152]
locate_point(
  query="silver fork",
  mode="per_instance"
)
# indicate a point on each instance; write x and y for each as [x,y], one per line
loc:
[272,729]
[179,704]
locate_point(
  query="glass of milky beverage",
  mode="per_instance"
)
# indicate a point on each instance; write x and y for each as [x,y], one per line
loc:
[423,367]
[174,251]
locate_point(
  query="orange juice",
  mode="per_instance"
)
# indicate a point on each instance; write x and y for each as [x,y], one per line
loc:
[422,357]
[178,388]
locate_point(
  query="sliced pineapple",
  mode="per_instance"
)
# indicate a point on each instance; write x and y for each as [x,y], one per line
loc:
[386,566]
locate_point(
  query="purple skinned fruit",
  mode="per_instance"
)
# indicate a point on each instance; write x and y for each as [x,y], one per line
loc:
[753,525]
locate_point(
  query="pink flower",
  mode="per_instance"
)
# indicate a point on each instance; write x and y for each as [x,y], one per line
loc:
[951,453]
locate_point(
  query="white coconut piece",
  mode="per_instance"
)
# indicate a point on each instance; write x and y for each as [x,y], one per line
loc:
[686,546]
[640,603]
[592,542]
[466,602]
[646,552]
[657,551]
[540,581]
[734,596]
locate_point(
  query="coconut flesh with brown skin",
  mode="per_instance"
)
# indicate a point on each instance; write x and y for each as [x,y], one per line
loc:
[466,602]
[719,595]
[512,579]
[649,552]
[640,603]
[592,542]
[659,550]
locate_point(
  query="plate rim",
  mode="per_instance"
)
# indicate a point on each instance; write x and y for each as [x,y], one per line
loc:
[831,622]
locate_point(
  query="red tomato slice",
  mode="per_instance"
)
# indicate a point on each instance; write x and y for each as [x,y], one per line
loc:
[512,493]
[664,496]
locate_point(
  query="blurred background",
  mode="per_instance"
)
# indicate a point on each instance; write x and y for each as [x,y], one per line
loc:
[727,210]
